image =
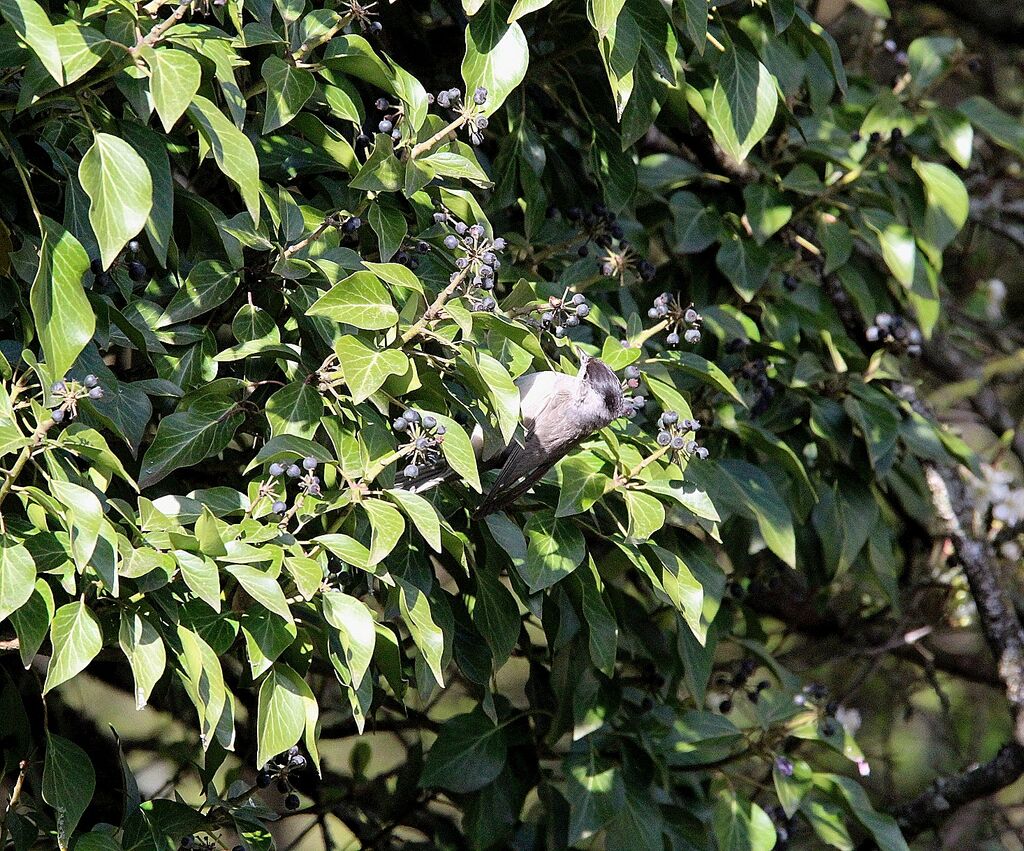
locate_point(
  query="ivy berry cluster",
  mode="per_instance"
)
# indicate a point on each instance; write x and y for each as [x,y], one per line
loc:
[561,313]
[737,682]
[667,308]
[477,260]
[600,227]
[137,271]
[68,393]
[895,333]
[631,382]
[470,111]
[309,482]
[203,843]
[674,432]
[280,771]
[424,438]
[391,118]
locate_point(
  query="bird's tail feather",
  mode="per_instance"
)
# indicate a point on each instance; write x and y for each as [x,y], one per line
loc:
[429,476]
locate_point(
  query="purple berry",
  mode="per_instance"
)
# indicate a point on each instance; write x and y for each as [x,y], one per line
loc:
[309,462]
[293,471]
[280,507]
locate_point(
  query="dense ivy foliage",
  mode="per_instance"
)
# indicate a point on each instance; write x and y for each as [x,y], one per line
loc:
[240,239]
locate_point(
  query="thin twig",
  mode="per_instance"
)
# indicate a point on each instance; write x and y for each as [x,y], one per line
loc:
[154,35]
[434,310]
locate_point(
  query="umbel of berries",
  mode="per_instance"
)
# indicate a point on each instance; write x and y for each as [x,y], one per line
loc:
[895,333]
[68,393]
[475,257]
[280,771]
[631,382]
[563,313]
[677,435]
[468,110]
[668,309]
[424,436]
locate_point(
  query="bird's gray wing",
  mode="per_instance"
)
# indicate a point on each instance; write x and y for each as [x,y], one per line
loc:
[551,433]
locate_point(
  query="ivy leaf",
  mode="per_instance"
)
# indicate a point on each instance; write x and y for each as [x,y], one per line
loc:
[263,588]
[741,825]
[555,549]
[31,621]
[356,632]
[32,24]
[415,608]
[120,191]
[84,517]
[175,76]
[69,781]
[743,102]
[187,437]
[359,300]
[76,638]
[496,55]
[201,576]
[296,409]
[422,513]
[144,647]
[288,89]
[17,576]
[696,225]
[64,319]
[232,150]
[469,752]
[706,371]
[209,284]
[366,369]
[695,13]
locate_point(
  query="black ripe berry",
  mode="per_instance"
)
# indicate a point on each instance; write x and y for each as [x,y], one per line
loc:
[96,266]
[137,271]
[725,706]
[291,802]
[263,780]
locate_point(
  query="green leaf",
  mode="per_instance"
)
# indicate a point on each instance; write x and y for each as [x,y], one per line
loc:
[526,7]
[356,631]
[741,825]
[646,515]
[359,300]
[69,781]
[581,483]
[209,284]
[266,637]
[175,76]
[422,513]
[32,621]
[1002,128]
[390,226]
[895,242]
[296,409]
[602,14]
[120,191]
[882,827]
[767,210]
[263,588]
[469,752]
[32,24]
[415,608]
[706,371]
[203,678]
[954,133]
[497,55]
[948,206]
[743,102]
[201,576]
[144,647]
[282,713]
[496,615]
[745,264]
[458,451]
[81,48]
[232,150]
[757,492]
[17,576]
[696,14]
[288,89]
[555,549]
[188,437]
[84,517]
[64,319]
[76,638]
[696,225]
[366,369]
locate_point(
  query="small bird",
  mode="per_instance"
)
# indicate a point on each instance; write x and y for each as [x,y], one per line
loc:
[558,413]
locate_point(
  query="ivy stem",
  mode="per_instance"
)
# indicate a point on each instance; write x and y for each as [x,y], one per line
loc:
[13,802]
[424,146]
[23,174]
[155,34]
[620,480]
[19,465]
[432,312]
[321,229]
[314,43]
